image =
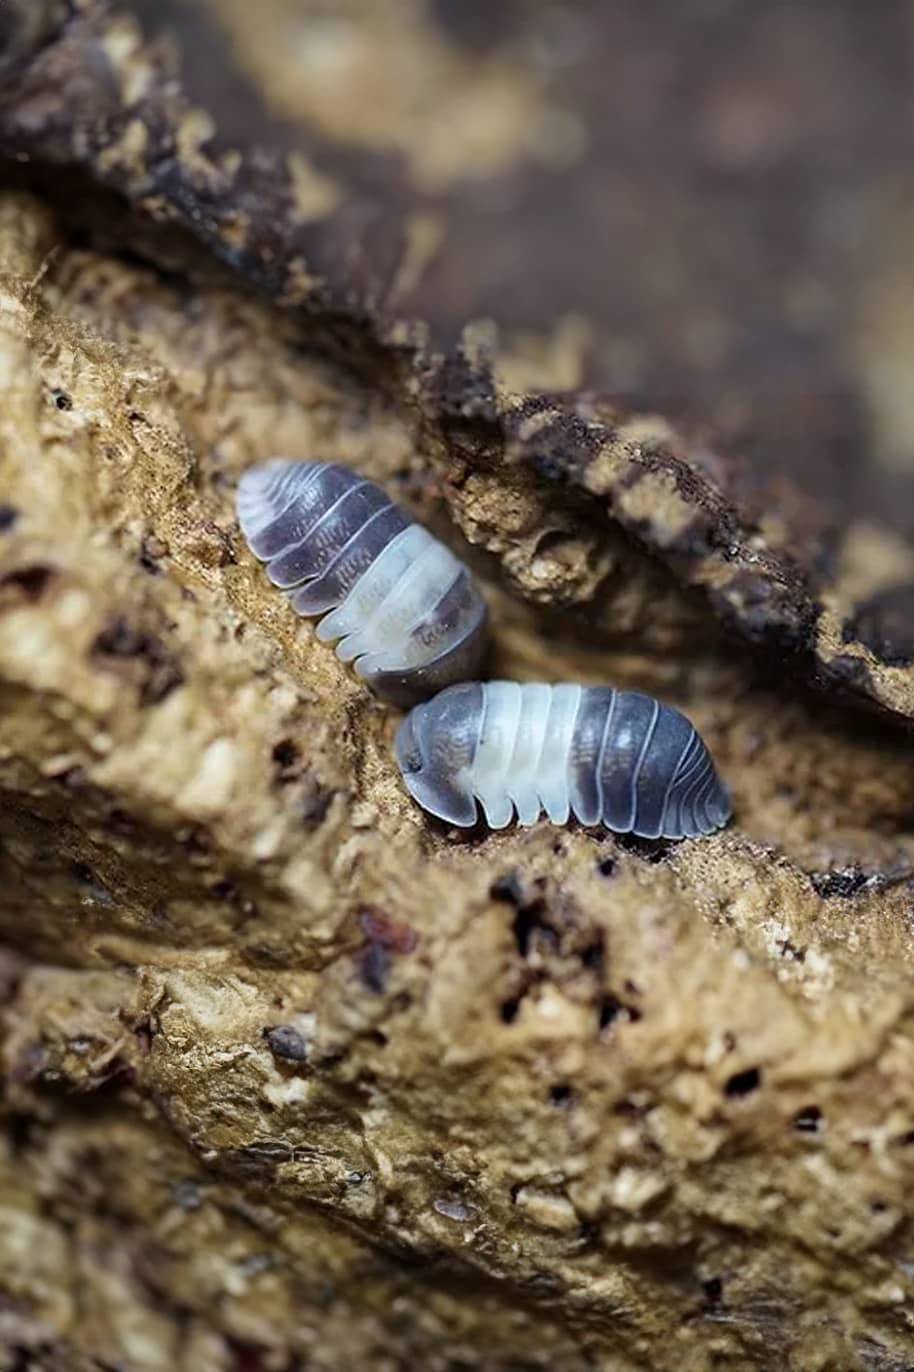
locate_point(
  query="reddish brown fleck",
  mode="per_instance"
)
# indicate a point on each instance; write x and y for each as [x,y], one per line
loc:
[393,934]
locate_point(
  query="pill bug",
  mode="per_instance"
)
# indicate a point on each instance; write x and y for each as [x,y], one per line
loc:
[404,608]
[616,758]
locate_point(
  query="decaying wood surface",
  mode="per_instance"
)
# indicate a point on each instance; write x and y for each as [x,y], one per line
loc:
[295,1078]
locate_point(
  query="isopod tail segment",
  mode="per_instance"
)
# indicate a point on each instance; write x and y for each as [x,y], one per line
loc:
[615,758]
[399,604]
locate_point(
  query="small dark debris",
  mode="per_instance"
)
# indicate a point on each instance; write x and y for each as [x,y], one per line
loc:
[393,934]
[28,583]
[594,955]
[8,517]
[561,1096]
[743,1083]
[83,872]
[224,890]
[652,850]
[612,1009]
[374,966]
[808,1120]
[529,904]
[790,950]
[508,889]
[878,1207]
[526,923]
[194,840]
[713,1290]
[906,1139]
[119,822]
[285,755]
[160,673]
[509,1009]
[286,1042]
[843,882]
[62,400]
[120,640]
[606,866]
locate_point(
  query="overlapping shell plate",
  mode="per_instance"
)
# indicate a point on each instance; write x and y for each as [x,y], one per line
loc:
[616,758]
[401,606]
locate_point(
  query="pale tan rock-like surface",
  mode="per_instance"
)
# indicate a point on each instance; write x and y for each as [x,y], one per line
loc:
[293,1077]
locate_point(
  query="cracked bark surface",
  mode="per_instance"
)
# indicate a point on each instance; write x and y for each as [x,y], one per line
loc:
[294,1077]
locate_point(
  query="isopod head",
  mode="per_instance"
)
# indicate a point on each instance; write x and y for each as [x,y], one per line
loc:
[435,748]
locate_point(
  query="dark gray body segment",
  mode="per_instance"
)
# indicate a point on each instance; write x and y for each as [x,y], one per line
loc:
[403,607]
[616,758]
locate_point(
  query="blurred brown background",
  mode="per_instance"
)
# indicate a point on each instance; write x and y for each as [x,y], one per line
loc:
[704,207]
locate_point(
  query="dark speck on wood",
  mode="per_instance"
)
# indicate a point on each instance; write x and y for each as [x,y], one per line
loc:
[374,965]
[286,1042]
[381,929]
[158,673]
[26,583]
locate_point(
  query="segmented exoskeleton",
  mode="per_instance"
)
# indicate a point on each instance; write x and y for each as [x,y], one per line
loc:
[404,608]
[616,758]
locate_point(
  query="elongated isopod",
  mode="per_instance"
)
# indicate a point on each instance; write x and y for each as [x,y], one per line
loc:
[404,608]
[609,757]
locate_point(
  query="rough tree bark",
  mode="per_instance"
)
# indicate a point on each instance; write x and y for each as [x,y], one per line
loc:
[293,1077]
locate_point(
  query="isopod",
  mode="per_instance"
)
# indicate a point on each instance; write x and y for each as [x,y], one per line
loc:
[404,609]
[616,758]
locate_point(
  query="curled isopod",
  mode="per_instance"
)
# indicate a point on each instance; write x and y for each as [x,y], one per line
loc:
[616,758]
[404,608]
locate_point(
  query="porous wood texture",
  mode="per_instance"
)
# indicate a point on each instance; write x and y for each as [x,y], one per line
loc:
[618,300]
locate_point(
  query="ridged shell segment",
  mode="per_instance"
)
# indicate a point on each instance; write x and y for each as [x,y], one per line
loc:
[403,608]
[615,758]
